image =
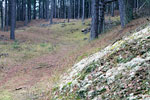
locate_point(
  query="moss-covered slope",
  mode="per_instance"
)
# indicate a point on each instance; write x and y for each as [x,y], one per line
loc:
[119,72]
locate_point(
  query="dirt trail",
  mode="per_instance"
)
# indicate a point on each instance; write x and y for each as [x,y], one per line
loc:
[24,76]
[27,75]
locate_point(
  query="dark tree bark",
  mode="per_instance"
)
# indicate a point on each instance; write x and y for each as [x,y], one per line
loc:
[83,10]
[52,11]
[69,11]
[74,7]
[13,19]
[6,14]
[34,9]
[101,16]
[126,11]
[58,14]
[9,12]
[79,5]
[55,9]
[47,10]
[29,10]
[94,27]
[39,9]
[112,9]
[1,9]
[26,13]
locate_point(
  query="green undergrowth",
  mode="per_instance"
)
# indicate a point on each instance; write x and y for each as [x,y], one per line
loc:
[71,31]
[5,95]
[20,52]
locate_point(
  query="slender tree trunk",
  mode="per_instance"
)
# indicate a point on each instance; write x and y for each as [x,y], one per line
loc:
[69,11]
[55,8]
[83,11]
[79,9]
[94,27]
[9,13]
[34,10]
[43,9]
[58,14]
[2,19]
[101,16]
[13,19]
[74,15]
[29,10]
[39,9]
[52,11]
[47,10]
[126,11]
[6,14]
[112,9]
[26,13]
[89,14]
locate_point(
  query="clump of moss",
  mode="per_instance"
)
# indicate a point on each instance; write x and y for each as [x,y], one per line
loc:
[88,70]
[5,95]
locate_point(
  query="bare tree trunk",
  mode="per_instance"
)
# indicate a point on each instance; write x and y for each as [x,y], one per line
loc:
[112,9]
[6,14]
[94,27]
[34,9]
[47,10]
[69,11]
[39,9]
[2,19]
[29,10]
[101,16]
[13,19]
[126,11]
[79,5]
[26,13]
[83,11]
[52,11]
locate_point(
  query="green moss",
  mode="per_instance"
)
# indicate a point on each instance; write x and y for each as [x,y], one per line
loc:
[55,88]
[81,94]
[69,83]
[5,95]
[88,69]
[125,60]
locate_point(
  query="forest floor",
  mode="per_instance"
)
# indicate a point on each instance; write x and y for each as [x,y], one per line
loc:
[31,65]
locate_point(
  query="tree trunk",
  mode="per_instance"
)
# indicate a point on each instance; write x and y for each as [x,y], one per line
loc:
[79,9]
[52,11]
[112,9]
[126,11]
[69,11]
[6,14]
[39,9]
[13,19]
[2,19]
[47,10]
[34,9]
[26,13]
[83,11]
[29,10]
[101,16]
[94,27]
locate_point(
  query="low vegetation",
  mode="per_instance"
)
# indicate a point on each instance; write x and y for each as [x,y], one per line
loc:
[119,72]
